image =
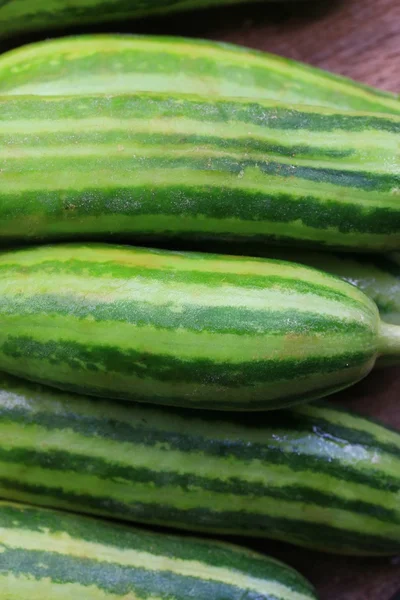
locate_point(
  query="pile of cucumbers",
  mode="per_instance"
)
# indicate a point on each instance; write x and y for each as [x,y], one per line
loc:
[193,236]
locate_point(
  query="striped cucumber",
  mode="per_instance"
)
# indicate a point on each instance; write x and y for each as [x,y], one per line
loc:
[154,168]
[28,16]
[98,63]
[376,275]
[184,329]
[122,64]
[317,476]
[47,554]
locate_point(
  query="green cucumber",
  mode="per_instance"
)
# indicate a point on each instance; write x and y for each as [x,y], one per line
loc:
[317,476]
[28,16]
[154,168]
[377,276]
[184,329]
[124,64]
[97,63]
[47,554]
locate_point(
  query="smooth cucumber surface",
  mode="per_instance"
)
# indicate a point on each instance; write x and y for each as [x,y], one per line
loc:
[377,276]
[53,555]
[154,168]
[90,64]
[317,476]
[28,16]
[185,329]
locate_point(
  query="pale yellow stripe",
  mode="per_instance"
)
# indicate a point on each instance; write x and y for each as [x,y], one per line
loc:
[380,164]
[180,262]
[250,179]
[115,151]
[365,141]
[128,82]
[176,296]
[369,144]
[61,543]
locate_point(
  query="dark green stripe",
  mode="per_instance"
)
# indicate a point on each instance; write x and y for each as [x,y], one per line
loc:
[113,359]
[171,401]
[181,140]
[153,105]
[210,202]
[295,424]
[232,165]
[117,579]
[196,318]
[110,471]
[253,524]
[171,546]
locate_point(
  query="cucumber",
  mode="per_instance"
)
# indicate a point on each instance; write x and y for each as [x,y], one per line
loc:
[28,16]
[48,554]
[89,64]
[185,329]
[376,275]
[154,168]
[317,476]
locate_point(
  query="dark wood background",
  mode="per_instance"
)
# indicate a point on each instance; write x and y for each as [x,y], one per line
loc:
[360,39]
[356,38]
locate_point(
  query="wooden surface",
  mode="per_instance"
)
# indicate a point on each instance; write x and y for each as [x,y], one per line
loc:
[356,38]
[360,39]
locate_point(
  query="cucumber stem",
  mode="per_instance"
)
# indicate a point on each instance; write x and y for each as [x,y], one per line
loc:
[389,339]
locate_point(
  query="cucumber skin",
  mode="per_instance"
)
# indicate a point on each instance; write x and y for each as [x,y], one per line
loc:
[156,168]
[89,64]
[186,329]
[98,63]
[51,554]
[247,474]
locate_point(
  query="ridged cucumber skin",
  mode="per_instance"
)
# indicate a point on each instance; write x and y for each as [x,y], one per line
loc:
[19,17]
[51,554]
[90,64]
[317,476]
[154,168]
[184,329]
